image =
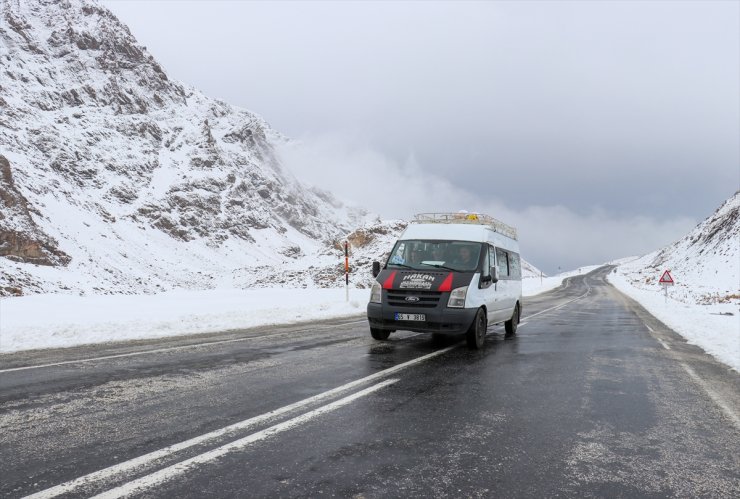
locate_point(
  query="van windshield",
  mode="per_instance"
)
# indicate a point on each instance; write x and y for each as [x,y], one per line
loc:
[418,254]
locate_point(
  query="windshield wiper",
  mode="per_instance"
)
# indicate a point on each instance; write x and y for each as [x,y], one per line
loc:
[402,265]
[438,266]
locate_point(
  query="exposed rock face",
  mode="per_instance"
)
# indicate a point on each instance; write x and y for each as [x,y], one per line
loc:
[109,156]
[20,237]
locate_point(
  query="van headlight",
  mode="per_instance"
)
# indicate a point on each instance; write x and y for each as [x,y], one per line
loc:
[376,293]
[457,297]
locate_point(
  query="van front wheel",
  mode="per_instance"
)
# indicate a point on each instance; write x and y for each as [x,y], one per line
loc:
[511,325]
[379,334]
[476,334]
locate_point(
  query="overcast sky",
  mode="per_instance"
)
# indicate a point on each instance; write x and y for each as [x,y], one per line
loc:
[600,129]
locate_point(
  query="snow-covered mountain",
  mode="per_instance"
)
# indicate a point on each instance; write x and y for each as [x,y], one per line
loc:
[115,178]
[705,264]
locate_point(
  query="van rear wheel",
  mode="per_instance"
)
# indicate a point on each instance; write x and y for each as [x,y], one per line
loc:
[379,334]
[476,334]
[511,325]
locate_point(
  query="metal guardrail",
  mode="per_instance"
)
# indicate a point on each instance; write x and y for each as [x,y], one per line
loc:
[467,218]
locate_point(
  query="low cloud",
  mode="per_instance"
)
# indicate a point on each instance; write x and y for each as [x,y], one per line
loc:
[551,236]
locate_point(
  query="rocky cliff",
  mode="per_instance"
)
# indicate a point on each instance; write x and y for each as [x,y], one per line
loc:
[116,178]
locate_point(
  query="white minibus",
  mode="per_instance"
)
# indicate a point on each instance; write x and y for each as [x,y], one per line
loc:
[449,273]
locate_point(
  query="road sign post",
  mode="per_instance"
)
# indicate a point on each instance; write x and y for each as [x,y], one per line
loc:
[346,271]
[666,280]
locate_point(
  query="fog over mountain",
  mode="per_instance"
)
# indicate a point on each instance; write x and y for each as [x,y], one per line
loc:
[613,124]
[116,178]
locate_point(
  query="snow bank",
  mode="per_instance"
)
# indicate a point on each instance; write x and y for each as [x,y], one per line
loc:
[706,326]
[52,321]
[58,321]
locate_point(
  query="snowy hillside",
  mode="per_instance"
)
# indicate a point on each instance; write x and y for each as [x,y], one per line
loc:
[705,264]
[703,305]
[529,270]
[115,178]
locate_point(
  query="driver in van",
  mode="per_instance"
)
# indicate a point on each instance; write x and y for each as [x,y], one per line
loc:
[438,253]
[416,255]
[465,257]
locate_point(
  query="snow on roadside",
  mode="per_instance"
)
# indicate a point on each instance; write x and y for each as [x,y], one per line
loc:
[706,326]
[56,321]
[704,304]
[59,321]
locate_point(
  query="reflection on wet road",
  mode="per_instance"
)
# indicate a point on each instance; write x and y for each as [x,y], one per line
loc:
[593,397]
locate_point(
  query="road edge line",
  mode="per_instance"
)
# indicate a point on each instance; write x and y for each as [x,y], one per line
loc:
[717,399]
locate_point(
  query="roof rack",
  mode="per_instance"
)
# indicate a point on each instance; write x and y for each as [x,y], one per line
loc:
[466,218]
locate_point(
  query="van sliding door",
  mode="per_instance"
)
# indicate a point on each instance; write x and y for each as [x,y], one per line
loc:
[506,289]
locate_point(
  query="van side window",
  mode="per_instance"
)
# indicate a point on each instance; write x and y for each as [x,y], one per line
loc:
[516,265]
[502,258]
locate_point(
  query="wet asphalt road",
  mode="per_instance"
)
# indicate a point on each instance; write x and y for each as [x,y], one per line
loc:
[592,398]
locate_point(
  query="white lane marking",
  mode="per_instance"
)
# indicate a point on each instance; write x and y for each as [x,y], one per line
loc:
[172,471]
[522,324]
[559,306]
[665,345]
[247,423]
[714,396]
[173,349]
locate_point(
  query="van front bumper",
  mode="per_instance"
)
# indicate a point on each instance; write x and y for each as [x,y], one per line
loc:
[441,319]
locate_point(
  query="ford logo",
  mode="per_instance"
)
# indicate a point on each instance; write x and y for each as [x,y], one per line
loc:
[412,298]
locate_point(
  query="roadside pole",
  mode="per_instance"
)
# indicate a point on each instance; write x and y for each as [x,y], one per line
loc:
[346,270]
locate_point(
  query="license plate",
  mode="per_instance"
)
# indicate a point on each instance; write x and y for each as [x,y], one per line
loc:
[411,317]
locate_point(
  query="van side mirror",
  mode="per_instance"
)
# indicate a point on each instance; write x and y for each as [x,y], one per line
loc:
[376,269]
[494,275]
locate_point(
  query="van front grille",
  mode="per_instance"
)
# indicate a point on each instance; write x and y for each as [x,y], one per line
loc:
[426,299]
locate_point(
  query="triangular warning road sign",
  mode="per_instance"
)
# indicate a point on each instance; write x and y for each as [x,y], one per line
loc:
[666,278]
